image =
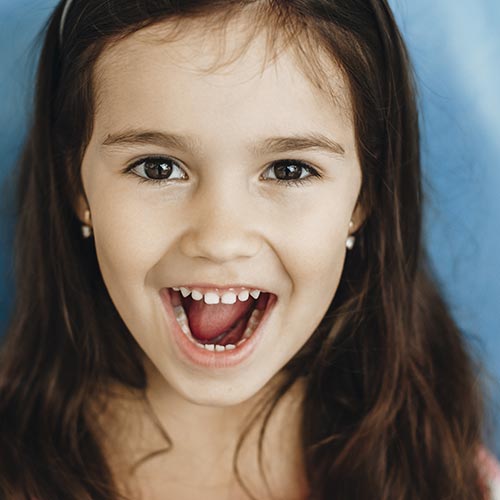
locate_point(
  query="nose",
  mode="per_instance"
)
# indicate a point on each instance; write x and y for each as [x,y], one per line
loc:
[223,227]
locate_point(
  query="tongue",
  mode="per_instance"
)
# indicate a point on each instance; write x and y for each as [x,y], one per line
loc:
[210,321]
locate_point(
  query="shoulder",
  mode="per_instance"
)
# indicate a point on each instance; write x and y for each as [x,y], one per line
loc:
[490,469]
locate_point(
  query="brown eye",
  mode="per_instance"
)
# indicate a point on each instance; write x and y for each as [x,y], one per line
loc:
[158,169]
[286,171]
[289,171]
[155,169]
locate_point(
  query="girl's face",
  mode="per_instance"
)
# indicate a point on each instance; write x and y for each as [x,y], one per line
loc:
[252,186]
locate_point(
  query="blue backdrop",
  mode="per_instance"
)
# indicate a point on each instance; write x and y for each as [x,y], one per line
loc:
[455,47]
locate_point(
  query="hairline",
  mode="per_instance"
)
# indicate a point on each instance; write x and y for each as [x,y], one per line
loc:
[298,40]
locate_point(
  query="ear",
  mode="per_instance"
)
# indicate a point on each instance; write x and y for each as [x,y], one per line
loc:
[81,206]
[358,218]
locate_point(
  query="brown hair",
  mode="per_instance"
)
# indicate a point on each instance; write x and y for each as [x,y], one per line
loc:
[392,407]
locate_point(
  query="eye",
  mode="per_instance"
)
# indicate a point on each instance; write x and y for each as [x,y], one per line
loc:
[290,172]
[157,169]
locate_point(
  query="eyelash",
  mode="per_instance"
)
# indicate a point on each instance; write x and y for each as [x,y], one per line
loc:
[313,173]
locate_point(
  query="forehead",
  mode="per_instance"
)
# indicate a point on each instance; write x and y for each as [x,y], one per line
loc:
[175,65]
[219,43]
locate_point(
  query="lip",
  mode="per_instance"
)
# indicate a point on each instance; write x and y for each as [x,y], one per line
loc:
[214,359]
[206,287]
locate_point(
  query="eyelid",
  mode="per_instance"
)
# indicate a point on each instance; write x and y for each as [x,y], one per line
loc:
[130,168]
[312,171]
[137,162]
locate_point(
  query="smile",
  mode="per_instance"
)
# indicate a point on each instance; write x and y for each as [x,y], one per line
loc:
[217,327]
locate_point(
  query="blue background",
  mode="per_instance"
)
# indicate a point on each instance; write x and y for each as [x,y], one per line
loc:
[455,47]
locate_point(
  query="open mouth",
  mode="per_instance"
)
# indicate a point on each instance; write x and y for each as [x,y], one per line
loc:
[216,322]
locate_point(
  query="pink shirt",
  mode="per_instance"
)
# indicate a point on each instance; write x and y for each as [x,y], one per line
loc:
[491,473]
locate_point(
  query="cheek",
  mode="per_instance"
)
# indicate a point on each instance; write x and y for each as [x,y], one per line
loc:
[314,245]
[129,241]
[313,254]
[316,266]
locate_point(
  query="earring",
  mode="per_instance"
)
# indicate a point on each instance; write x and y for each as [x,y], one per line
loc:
[87,228]
[350,239]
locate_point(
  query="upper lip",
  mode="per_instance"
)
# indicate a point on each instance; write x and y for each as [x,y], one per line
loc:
[205,287]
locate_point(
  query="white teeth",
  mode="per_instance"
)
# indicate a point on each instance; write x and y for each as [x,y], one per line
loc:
[253,322]
[210,347]
[228,298]
[230,347]
[180,314]
[211,298]
[181,317]
[215,298]
[219,348]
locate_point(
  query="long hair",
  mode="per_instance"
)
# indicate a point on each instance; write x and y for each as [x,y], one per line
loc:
[392,408]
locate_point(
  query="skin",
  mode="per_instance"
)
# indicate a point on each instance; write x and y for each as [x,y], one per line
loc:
[226,221]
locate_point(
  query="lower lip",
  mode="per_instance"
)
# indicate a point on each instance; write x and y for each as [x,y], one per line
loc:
[214,359]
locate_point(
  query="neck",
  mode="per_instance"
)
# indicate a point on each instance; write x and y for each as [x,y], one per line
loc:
[202,439]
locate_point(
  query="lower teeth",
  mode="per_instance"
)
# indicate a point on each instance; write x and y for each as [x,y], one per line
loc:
[252,324]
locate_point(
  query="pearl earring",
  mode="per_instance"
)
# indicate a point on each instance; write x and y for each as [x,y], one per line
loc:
[86,228]
[350,239]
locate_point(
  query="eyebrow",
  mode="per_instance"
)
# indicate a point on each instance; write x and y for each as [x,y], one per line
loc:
[307,142]
[135,137]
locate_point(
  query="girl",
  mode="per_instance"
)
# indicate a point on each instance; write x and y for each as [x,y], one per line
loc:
[221,287]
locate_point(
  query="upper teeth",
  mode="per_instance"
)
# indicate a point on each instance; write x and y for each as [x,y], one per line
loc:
[214,297]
